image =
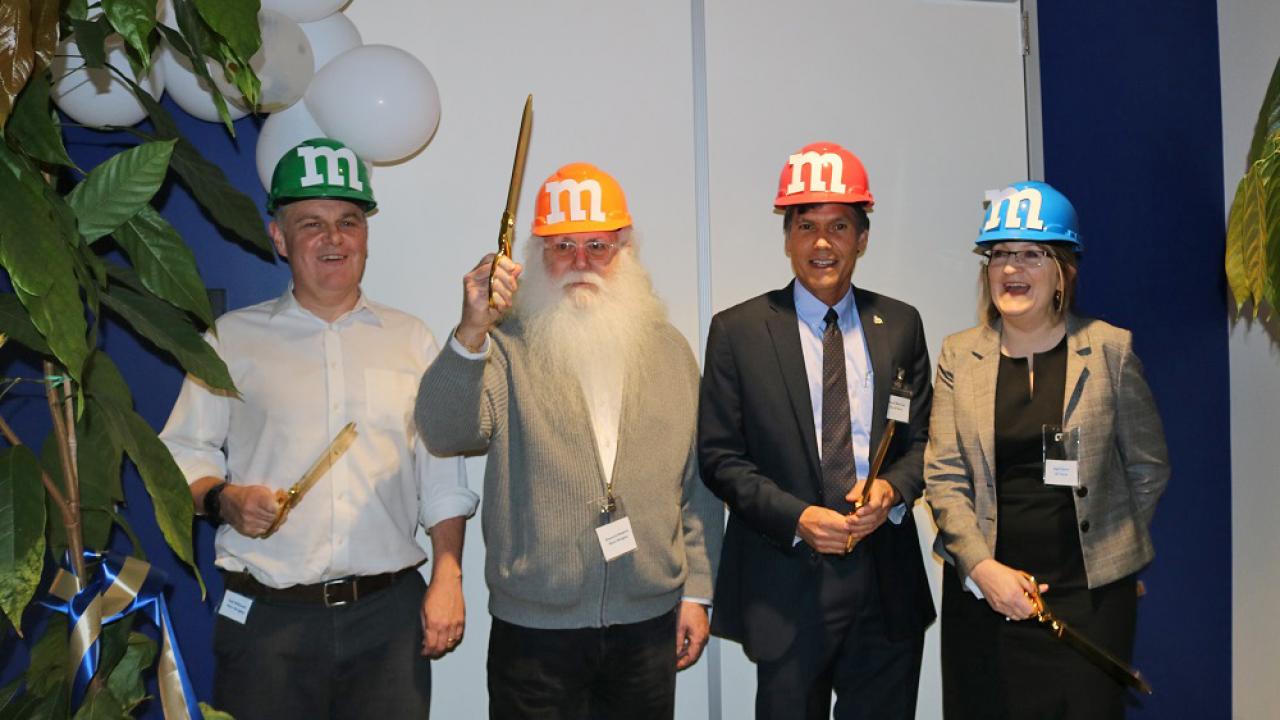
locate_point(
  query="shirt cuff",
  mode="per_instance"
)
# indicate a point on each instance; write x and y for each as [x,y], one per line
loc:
[462,350]
[897,512]
[972,587]
[459,502]
[704,602]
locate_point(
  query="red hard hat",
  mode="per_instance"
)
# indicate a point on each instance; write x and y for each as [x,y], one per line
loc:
[823,172]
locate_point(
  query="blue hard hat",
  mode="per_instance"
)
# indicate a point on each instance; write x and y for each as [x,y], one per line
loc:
[1030,212]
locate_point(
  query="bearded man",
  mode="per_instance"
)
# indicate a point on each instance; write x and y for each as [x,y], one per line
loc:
[601,541]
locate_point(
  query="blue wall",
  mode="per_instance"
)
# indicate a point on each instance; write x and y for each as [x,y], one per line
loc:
[1133,135]
[247,277]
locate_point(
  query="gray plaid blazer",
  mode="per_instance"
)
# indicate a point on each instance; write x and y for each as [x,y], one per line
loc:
[1124,465]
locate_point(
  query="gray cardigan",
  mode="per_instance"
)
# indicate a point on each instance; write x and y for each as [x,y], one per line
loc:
[1124,464]
[543,562]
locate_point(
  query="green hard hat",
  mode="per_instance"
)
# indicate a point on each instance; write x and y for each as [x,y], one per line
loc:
[320,168]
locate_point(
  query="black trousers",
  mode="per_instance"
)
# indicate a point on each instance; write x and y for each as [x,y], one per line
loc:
[993,669]
[844,647]
[621,672]
[307,661]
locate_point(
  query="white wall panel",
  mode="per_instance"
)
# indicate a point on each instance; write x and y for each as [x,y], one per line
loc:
[929,95]
[927,92]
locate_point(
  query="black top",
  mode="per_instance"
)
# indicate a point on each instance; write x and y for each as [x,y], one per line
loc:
[1036,527]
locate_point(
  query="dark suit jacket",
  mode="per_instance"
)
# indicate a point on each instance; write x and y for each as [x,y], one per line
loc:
[758,452]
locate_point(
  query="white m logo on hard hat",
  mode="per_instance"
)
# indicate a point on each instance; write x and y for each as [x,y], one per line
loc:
[575,190]
[336,175]
[1011,217]
[816,162]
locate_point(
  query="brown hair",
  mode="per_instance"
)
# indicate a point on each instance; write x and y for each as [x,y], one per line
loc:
[1068,264]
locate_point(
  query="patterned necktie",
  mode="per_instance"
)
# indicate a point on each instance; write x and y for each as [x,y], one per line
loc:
[838,469]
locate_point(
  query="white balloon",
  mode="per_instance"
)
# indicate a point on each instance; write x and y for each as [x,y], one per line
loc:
[279,133]
[379,100]
[190,91]
[284,63]
[96,96]
[331,37]
[304,10]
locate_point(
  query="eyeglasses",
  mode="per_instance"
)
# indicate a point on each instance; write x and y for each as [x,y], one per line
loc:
[1030,258]
[595,249]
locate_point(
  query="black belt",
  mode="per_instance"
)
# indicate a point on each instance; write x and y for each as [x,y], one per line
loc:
[331,593]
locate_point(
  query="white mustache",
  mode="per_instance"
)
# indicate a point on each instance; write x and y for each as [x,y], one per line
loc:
[581,276]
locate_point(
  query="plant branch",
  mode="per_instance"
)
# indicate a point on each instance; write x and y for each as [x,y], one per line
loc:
[71,517]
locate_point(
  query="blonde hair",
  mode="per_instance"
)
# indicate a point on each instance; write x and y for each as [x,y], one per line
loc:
[1068,265]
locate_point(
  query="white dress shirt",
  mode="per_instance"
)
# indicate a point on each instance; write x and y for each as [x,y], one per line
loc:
[302,379]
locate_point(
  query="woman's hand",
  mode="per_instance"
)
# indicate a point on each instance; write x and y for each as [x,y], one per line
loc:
[1007,591]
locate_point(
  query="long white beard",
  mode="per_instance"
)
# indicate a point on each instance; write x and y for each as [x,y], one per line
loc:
[591,334]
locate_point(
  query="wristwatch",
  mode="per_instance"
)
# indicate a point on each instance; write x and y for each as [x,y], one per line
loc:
[213,503]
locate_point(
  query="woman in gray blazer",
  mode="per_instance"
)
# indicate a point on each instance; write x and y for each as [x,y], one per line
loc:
[1046,458]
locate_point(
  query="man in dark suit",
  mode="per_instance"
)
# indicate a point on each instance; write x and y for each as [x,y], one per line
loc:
[798,388]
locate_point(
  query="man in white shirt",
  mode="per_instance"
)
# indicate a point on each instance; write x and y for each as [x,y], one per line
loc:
[318,619]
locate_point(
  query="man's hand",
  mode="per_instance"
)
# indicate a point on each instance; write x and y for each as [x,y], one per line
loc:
[1007,591]
[250,509]
[872,515]
[824,529]
[477,317]
[444,616]
[692,633]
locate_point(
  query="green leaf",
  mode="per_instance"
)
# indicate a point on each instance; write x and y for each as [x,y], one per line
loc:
[35,252]
[1253,235]
[134,20]
[229,208]
[164,262]
[100,704]
[10,691]
[98,468]
[209,713]
[17,55]
[91,38]
[21,530]
[165,483]
[1268,124]
[196,41]
[47,670]
[15,323]
[77,9]
[236,21]
[172,331]
[118,188]
[125,680]
[33,128]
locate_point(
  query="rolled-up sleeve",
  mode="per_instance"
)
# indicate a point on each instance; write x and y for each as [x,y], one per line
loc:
[443,492]
[196,431]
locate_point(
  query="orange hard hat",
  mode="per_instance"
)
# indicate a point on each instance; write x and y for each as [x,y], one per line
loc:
[823,172]
[579,197]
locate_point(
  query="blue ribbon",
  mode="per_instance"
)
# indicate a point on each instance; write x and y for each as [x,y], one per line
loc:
[120,585]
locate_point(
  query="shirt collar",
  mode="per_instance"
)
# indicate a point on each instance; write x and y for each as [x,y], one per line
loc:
[365,310]
[812,311]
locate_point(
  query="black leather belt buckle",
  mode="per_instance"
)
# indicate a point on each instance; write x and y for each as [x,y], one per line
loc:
[337,593]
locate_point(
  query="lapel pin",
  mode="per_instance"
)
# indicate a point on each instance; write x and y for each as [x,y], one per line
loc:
[877,319]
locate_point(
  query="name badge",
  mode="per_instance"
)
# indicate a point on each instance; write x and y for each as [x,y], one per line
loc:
[235,606]
[616,538]
[900,398]
[1061,455]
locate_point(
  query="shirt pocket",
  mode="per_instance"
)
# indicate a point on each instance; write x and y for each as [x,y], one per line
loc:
[389,399]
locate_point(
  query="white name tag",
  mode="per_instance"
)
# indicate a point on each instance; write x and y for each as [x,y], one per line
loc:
[616,538]
[1062,472]
[235,606]
[900,408]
